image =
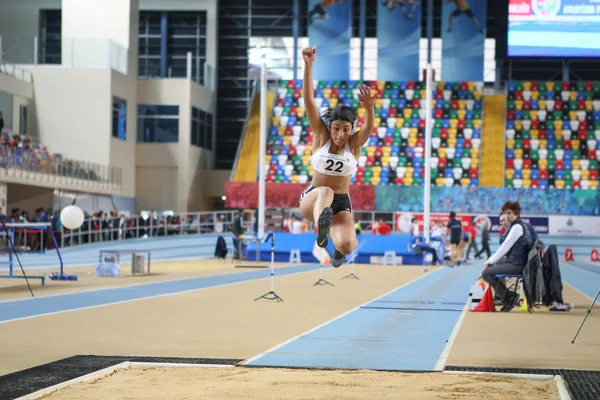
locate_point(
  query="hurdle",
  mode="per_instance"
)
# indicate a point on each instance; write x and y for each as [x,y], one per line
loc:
[37,226]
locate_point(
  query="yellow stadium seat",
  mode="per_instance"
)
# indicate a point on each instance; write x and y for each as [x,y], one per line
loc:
[326,93]
[375,180]
[573,95]
[575,144]
[474,162]
[412,141]
[519,154]
[413,132]
[452,143]
[376,170]
[543,164]
[526,182]
[281,130]
[311,169]
[442,152]
[441,85]
[550,86]
[471,85]
[371,151]
[361,112]
[477,95]
[558,124]
[408,181]
[560,183]
[275,120]
[477,123]
[440,181]
[526,174]
[380,85]
[409,171]
[594,185]
[306,161]
[572,115]
[535,134]
[510,144]
[333,102]
[526,85]
[535,95]
[287,140]
[423,94]
[453,123]
[558,134]
[377,122]
[533,115]
[267,159]
[462,104]
[295,178]
[585,174]
[519,104]
[465,182]
[589,105]
[542,104]
[407,113]
[462,114]
[300,112]
[308,149]
[378,103]
[385,161]
[387,151]
[576,164]
[519,125]
[510,173]
[543,144]
[452,133]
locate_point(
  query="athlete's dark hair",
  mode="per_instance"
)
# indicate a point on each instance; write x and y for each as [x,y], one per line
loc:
[340,113]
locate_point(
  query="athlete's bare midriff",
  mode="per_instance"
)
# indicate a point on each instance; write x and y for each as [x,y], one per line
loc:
[339,184]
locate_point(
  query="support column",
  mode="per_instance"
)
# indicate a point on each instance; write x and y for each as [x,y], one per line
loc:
[363,34]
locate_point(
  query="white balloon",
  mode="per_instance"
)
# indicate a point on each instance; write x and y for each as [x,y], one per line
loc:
[71,217]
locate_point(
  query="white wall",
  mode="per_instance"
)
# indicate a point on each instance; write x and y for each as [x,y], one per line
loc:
[16,86]
[193,5]
[73,111]
[6,108]
[28,198]
[156,176]
[19,24]
[16,117]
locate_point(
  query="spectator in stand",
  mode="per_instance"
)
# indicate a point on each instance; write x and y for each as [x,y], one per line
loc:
[220,224]
[414,227]
[357,227]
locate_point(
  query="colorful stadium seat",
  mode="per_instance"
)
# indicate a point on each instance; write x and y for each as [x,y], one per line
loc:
[552,133]
[394,153]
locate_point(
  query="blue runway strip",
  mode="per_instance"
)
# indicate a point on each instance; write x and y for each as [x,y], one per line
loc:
[405,330]
[583,276]
[11,310]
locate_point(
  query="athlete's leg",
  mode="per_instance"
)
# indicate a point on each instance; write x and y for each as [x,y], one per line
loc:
[455,13]
[315,206]
[470,14]
[343,236]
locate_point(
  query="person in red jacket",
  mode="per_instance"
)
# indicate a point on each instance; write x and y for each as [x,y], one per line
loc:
[383,228]
[504,224]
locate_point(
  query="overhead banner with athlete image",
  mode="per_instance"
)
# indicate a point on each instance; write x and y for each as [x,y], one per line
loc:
[398,36]
[330,29]
[463,39]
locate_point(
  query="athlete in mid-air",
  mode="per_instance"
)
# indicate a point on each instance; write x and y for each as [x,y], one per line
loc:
[320,9]
[390,4]
[462,7]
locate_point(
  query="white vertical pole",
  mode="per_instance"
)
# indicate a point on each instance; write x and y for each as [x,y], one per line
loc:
[189,66]
[0,50]
[262,150]
[427,183]
[35,50]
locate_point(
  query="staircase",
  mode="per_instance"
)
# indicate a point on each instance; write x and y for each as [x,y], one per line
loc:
[492,154]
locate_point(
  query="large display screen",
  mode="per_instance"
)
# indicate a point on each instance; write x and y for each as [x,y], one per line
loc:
[554,28]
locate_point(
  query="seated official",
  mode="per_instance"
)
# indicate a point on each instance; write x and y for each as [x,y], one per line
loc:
[515,248]
[420,247]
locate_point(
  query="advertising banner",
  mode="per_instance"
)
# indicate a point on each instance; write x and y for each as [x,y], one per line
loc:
[330,29]
[463,39]
[574,226]
[398,36]
[540,224]
[403,220]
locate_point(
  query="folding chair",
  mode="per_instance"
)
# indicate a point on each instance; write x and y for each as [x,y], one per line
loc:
[510,289]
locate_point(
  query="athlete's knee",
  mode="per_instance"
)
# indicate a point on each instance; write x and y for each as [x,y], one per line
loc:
[325,191]
[346,246]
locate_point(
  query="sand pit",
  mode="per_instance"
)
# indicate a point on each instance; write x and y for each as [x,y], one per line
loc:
[296,384]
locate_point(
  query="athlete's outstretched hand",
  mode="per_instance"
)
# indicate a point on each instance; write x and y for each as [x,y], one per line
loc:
[309,54]
[365,96]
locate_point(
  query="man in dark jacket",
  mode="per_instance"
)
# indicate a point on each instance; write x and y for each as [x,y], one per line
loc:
[485,241]
[237,228]
[515,247]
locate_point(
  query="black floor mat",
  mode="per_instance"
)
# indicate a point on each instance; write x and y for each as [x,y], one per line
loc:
[33,379]
[582,385]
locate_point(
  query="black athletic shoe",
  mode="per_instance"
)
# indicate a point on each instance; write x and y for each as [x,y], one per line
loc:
[324,223]
[338,259]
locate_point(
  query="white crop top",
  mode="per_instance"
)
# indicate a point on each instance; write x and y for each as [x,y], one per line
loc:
[334,164]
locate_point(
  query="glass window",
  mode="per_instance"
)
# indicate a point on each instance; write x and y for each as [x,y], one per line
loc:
[201,128]
[50,43]
[119,118]
[158,123]
[158,130]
